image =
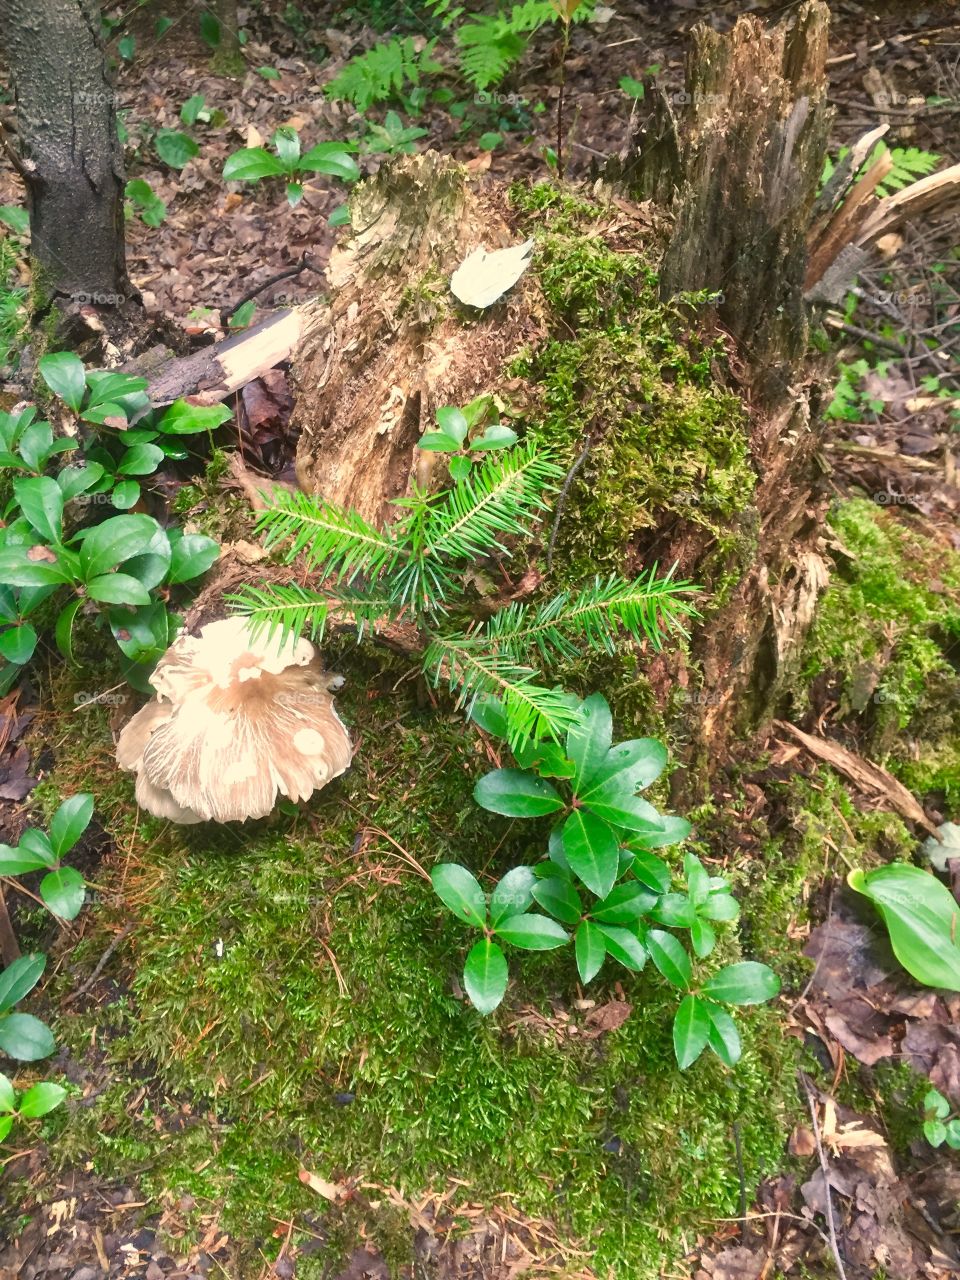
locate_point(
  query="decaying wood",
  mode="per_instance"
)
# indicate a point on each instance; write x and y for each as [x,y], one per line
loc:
[395,347]
[215,372]
[846,224]
[919,197]
[872,780]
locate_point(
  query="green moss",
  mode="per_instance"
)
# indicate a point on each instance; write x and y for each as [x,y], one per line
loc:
[237,1024]
[886,633]
[209,508]
[626,372]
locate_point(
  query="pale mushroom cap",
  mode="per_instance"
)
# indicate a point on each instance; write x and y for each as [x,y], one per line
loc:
[237,722]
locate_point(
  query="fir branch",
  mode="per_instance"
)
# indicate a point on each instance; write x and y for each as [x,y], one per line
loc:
[332,540]
[533,712]
[296,611]
[646,607]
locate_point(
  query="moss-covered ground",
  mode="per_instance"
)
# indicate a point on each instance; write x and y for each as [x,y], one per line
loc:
[288,996]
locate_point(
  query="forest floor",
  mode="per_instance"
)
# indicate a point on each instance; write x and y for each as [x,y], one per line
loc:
[272,1072]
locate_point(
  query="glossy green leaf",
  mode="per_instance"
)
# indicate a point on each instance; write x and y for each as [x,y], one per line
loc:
[592,851]
[624,945]
[670,957]
[922,918]
[697,877]
[488,713]
[118,588]
[719,905]
[26,1038]
[140,460]
[516,794]
[8,1095]
[548,759]
[459,890]
[115,540]
[453,423]
[63,632]
[485,975]
[70,821]
[532,932]
[30,567]
[558,897]
[126,494]
[19,978]
[184,419]
[723,1036]
[672,830]
[459,468]
[141,634]
[40,1099]
[691,1028]
[589,741]
[17,644]
[702,938]
[175,148]
[64,891]
[76,480]
[628,766]
[64,374]
[748,982]
[624,904]
[192,555]
[36,841]
[6,1124]
[40,499]
[649,869]
[513,894]
[287,143]
[332,158]
[590,947]
[632,813]
[496,436]
[675,910]
[17,862]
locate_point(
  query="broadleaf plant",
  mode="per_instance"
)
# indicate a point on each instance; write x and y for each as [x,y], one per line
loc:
[414,570]
[601,886]
[335,159]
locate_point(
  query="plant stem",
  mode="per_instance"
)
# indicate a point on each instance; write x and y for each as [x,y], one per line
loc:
[563,81]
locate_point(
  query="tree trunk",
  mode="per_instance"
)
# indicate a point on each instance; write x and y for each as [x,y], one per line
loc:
[70,155]
[228,60]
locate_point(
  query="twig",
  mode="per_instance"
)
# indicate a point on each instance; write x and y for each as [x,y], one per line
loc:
[562,500]
[738,1148]
[303,265]
[101,963]
[9,947]
[825,1168]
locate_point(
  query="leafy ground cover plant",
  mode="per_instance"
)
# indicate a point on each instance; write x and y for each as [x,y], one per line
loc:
[285,161]
[414,570]
[126,563]
[63,889]
[22,1036]
[940,1124]
[921,915]
[34,1102]
[601,886]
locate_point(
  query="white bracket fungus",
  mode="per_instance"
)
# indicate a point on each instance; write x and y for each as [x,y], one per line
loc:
[236,722]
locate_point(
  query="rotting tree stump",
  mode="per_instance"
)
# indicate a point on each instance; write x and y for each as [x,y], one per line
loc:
[722,198]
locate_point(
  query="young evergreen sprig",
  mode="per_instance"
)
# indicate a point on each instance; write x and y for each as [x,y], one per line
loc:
[414,570]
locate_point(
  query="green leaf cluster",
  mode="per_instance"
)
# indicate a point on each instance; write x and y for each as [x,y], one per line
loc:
[62,889]
[602,847]
[940,1125]
[34,1102]
[286,161]
[922,917]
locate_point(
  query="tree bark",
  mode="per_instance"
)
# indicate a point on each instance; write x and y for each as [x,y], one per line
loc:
[70,155]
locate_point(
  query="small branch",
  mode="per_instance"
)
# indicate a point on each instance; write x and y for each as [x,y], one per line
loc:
[100,965]
[825,1168]
[303,265]
[562,500]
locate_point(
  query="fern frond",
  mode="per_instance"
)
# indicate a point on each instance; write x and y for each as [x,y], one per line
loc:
[332,540]
[533,712]
[381,73]
[561,626]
